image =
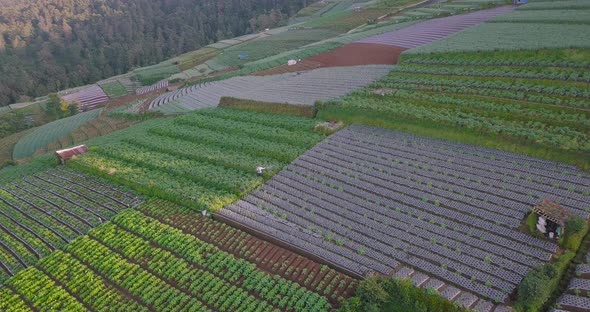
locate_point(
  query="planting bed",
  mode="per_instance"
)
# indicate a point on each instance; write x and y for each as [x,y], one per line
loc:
[373,200]
[140,263]
[88,97]
[303,88]
[353,54]
[426,32]
[156,86]
[44,212]
[215,164]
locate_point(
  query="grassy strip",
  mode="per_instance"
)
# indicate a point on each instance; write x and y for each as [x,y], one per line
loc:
[453,133]
[267,107]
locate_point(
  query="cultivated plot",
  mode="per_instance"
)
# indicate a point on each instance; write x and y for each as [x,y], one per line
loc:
[44,212]
[204,160]
[373,200]
[433,30]
[304,88]
[140,263]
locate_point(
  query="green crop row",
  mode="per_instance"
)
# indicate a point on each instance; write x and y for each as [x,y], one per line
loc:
[575,58]
[42,292]
[512,36]
[255,130]
[552,5]
[114,89]
[138,282]
[218,155]
[11,302]
[90,288]
[554,73]
[549,87]
[219,264]
[558,16]
[455,114]
[508,109]
[202,173]
[542,91]
[155,183]
[234,242]
[205,159]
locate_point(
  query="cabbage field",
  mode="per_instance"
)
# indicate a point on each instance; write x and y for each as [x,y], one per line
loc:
[204,160]
[518,99]
[537,25]
[379,201]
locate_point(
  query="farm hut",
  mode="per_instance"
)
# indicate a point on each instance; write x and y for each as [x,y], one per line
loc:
[68,153]
[552,218]
[171,88]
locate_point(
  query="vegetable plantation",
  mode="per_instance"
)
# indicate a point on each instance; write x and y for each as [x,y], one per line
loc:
[373,200]
[114,89]
[205,160]
[537,25]
[531,98]
[138,263]
[42,213]
[304,88]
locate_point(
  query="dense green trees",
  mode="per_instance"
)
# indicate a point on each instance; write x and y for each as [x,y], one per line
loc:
[50,45]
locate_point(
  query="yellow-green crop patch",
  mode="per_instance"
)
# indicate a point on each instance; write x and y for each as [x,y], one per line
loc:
[204,160]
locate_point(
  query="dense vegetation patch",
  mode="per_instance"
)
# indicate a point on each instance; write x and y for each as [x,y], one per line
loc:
[204,160]
[394,295]
[525,103]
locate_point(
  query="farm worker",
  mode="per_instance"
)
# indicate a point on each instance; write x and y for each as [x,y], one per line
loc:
[259,171]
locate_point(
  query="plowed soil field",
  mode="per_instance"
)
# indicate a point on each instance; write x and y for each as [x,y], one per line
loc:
[349,55]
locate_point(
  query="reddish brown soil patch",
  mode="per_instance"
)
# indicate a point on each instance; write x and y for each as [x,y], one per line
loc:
[267,256]
[352,54]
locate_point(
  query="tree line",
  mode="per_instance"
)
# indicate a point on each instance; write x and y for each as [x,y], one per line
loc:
[51,45]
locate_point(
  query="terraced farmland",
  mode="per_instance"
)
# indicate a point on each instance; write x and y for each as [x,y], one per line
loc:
[44,212]
[221,149]
[156,86]
[160,267]
[114,88]
[374,200]
[42,136]
[433,30]
[561,24]
[88,97]
[295,88]
[530,102]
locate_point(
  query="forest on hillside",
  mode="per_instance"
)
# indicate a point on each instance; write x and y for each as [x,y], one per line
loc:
[50,45]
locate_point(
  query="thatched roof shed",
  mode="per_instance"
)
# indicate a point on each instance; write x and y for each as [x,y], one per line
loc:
[69,153]
[553,211]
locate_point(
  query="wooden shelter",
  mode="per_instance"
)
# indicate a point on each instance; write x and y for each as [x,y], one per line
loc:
[68,153]
[552,211]
[552,218]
